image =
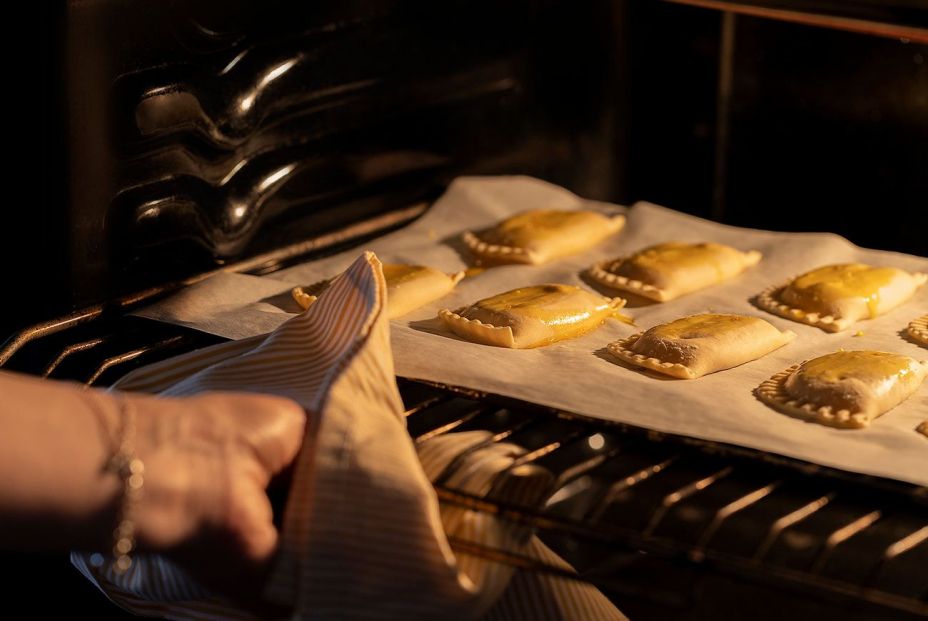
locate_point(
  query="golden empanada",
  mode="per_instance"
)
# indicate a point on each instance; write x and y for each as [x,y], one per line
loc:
[532,316]
[918,330]
[834,297]
[666,271]
[844,389]
[408,287]
[540,235]
[923,428]
[700,344]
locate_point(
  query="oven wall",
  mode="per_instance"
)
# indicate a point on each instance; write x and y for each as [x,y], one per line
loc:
[198,132]
[182,135]
[779,126]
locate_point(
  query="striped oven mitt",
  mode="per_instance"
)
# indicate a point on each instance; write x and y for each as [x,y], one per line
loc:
[363,535]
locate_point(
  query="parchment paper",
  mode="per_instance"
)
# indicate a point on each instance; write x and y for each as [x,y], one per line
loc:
[578,375]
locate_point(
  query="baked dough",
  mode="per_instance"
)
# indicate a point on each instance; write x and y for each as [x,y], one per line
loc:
[532,316]
[303,297]
[844,389]
[700,344]
[923,428]
[669,270]
[408,287]
[834,297]
[918,330]
[541,235]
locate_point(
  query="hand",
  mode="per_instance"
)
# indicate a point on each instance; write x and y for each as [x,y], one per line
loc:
[208,463]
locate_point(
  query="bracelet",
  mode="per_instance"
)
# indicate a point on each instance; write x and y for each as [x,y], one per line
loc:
[131,471]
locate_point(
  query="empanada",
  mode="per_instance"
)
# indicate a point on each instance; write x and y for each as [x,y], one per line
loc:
[541,235]
[408,287]
[669,270]
[834,297]
[532,316]
[923,428]
[700,344]
[918,330]
[844,389]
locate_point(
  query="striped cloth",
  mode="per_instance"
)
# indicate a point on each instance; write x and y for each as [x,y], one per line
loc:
[363,535]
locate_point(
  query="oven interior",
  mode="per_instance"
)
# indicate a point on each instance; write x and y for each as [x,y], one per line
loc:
[190,137]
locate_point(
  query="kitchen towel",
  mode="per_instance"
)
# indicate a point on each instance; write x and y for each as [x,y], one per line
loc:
[363,536]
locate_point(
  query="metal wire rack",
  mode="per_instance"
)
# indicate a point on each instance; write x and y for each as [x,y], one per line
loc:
[634,512]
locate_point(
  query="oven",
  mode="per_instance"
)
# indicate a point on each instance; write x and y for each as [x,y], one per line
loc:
[193,137]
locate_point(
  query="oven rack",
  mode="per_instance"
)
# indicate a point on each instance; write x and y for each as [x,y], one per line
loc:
[624,496]
[636,512]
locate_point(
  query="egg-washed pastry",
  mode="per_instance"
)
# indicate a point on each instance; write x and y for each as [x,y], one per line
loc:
[541,235]
[408,287]
[532,316]
[834,297]
[923,428]
[844,389]
[669,270]
[700,344]
[918,330]
[303,297]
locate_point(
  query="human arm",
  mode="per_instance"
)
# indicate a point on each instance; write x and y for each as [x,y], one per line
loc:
[208,461]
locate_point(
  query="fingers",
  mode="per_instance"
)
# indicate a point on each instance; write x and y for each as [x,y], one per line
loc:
[251,521]
[271,426]
[208,462]
[233,557]
[278,441]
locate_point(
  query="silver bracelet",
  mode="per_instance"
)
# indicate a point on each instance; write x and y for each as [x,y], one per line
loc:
[131,472]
